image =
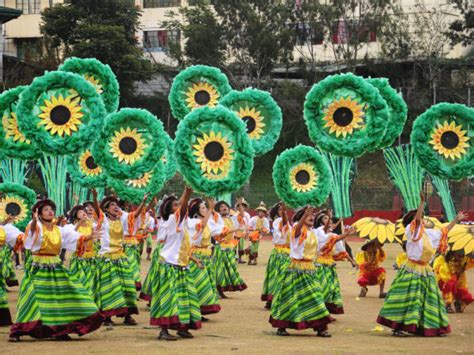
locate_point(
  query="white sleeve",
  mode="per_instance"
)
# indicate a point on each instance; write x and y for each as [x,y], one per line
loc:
[12,234]
[69,237]
[266,223]
[30,238]
[435,237]
[339,247]
[216,227]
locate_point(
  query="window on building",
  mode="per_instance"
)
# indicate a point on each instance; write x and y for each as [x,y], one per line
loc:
[159,41]
[343,31]
[29,6]
[161,3]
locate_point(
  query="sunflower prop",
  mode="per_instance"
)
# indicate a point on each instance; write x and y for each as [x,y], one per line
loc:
[261,115]
[461,238]
[61,113]
[85,171]
[99,75]
[213,151]
[133,190]
[301,177]
[16,201]
[131,143]
[195,87]
[443,140]
[376,228]
[397,111]
[168,159]
[13,142]
[345,115]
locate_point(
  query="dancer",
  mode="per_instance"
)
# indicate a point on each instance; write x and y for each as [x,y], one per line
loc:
[297,302]
[280,255]
[370,273]
[259,225]
[331,248]
[204,223]
[242,220]
[228,278]
[83,266]
[450,273]
[52,304]
[414,303]
[115,292]
[174,301]
[7,269]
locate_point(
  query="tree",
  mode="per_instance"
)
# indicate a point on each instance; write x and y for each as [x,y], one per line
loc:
[462,30]
[105,30]
[256,35]
[201,29]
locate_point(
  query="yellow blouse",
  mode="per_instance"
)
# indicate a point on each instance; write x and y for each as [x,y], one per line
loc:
[89,245]
[310,246]
[51,242]
[116,236]
[185,249]
[3,237]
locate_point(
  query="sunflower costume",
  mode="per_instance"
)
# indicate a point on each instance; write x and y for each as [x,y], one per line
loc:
[297,301]
[329,250]
[278,261]
[205,278]
[414,302]
[228,278]
[450,271]
[51,303]
[174,299]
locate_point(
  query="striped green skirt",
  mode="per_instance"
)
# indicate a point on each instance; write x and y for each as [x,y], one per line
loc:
[114,288]
[52,304]
[277,264]
[5,317]
[414,303]
[152,274]
[204,280]
[134,259]
[84,270]
[330,288]
[228,278]
[297,302]
[174,301]
[7,270]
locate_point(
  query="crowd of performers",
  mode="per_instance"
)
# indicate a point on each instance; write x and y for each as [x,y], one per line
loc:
[199,245]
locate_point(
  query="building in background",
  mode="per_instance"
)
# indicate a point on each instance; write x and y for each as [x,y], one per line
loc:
[6,14]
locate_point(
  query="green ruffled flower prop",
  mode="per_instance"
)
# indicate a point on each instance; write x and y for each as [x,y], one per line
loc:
[397,111]
[302,177]
[100,75]
[13,142]
[131,143]
[345,115]
[169,160]
[61,113]
[261,114]
[443,138]
[195,87]
[16,201]
[213,151]
[85,171]
[133,190]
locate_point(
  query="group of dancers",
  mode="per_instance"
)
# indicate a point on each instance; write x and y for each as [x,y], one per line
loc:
[199,245]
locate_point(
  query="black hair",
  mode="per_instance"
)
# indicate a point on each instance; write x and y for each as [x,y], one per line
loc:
[166,207]
[274,211]
[218,205]
[72,216]
[408,217]
[299,214]
[194,206]
[338,229]
[318,222]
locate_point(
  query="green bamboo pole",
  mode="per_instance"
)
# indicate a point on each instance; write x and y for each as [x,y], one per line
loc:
[343,172]
[405,173]
[53,169]
[444,193]
[14,170]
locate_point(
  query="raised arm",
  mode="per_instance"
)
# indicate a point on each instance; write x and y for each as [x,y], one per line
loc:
[183,203]
[460,216]
[284,213]
[139,210]
[96,203]
[421,207]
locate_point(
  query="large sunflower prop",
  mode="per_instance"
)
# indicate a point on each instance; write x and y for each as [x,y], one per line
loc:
[376,228]
[133,190]
[195,87]
[13,142]
[261,114]
[131,143]
[213,151]
[16,201]
[345,115]
[99,75]
[397,110]
[461,238]
[443,140]
[61,113]
[85,170]
[301,177]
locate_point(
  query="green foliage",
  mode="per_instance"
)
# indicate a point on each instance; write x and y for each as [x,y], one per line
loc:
[462,30]
[105,30]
